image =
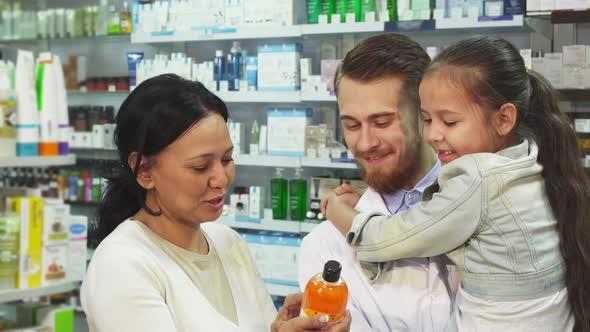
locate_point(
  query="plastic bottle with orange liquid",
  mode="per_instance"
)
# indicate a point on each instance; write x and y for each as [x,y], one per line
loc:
[326,294]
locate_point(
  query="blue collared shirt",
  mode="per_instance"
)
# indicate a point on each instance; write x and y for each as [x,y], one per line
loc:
[402,199]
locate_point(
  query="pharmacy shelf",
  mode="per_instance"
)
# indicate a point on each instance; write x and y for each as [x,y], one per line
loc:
[316,97]
[68,39]
[253,32]
[269,225]
[239,159]
[281,290]
[96,154]
[72,93]
[289,162]
[256,32]
[325,163]
[267,161]
[570,16]
[575,95]
[260,96]
[339,28]
[38,161]
[21,294]
[497,24]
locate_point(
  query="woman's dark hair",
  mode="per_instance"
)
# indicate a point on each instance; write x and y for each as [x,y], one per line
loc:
[155,114]
[492,71]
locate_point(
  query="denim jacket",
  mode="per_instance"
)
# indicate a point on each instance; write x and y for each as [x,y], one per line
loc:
[489,212]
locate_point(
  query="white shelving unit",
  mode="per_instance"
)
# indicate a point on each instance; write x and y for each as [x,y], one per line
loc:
[253,32]
[37,161]
[325,163]
[517,21]
[269,225]
[268,161]
[281,290]
[260,96]
[21,294]
[317,97]
[338,28]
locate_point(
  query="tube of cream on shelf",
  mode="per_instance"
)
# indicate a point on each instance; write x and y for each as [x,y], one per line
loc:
[63,124]
[27,116]
[47,105]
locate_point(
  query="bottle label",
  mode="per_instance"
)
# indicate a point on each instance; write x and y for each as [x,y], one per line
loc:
[333,318]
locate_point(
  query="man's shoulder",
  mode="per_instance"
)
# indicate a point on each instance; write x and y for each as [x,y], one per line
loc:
[326,234]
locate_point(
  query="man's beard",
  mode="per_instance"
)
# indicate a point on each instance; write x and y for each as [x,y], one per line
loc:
[392,180]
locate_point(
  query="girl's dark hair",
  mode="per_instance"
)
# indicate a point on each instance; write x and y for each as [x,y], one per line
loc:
[492,71]
[155,114]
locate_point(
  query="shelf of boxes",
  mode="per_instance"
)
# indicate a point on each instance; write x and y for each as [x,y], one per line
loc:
[281,290]
[270,225]
[21,294]
[67,160]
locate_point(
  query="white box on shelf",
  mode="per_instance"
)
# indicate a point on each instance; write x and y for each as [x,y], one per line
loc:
[109,136]
[239,205]
[552,68]
[286,131]
[85,139]
[256,203]
[527,56]
[575,55]
[234,13]
[278,67]
[55,221]
[533,5]
[574,77]
[77,253]
[55,264]
[237,135]
[305,67]
[547,5]
[98,136]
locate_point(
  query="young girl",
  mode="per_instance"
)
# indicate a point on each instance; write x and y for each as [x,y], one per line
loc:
[512,204]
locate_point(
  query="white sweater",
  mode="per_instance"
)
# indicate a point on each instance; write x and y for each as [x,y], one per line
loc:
[134,285]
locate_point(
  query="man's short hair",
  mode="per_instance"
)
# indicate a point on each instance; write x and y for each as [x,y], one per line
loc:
[387,56]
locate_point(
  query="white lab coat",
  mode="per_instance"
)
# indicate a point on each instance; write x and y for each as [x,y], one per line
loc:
[133,285]
[409,295]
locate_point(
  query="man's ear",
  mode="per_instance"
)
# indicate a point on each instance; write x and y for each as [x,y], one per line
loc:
[504,120]
[144,177]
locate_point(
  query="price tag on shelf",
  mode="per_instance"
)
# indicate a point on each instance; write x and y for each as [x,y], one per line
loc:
[323,19]
[335,18]
[112,88]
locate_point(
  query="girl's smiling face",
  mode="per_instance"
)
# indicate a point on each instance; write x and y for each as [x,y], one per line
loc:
[454,125]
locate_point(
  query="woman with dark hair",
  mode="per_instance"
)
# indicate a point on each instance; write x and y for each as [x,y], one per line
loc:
[161,265]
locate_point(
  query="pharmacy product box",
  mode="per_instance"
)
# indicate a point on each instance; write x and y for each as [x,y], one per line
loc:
[278,67]
[286,131]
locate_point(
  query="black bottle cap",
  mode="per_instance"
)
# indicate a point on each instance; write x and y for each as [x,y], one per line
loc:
[332,271]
